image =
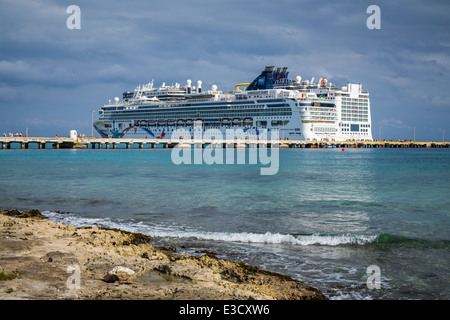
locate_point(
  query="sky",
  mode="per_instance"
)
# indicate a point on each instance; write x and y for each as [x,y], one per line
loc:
[52,77]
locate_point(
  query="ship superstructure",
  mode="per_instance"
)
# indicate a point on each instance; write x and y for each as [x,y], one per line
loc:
[297,109]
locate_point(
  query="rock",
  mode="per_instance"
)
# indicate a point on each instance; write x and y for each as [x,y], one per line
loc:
[42,261]
[70,227]
[54,256]
[118,274]
[23,214]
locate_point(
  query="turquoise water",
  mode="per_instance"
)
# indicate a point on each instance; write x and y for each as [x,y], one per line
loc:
[324,218]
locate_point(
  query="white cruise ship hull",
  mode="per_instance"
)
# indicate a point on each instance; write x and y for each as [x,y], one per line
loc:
[293,110]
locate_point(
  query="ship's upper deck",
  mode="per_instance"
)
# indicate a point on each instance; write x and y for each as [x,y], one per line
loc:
[271,83]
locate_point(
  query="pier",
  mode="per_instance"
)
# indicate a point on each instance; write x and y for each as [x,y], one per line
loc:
[114,143]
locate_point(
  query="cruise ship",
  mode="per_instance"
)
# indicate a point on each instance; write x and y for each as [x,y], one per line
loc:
[296,109]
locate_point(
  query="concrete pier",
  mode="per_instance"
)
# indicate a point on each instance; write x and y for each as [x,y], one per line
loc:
[99,143]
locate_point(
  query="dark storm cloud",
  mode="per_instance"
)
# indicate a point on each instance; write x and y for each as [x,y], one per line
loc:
[121,44]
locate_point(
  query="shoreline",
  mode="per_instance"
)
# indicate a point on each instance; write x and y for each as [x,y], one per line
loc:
[45,260]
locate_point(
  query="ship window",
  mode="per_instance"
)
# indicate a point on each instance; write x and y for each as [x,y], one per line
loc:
[261,123]
[279,123]
[354,127]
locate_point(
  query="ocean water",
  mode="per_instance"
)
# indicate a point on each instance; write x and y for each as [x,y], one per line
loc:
[328,217]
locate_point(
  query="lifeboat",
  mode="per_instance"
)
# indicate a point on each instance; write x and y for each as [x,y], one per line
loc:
[237,121]
[248,121]
[189,121]
[181,121]
[226,121]
[162,122]
[171,122]
[152,122]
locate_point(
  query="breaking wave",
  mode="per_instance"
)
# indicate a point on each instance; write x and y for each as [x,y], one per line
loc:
[270,238]
[242,237]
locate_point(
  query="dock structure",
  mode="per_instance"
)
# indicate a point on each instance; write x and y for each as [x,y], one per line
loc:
[114,143]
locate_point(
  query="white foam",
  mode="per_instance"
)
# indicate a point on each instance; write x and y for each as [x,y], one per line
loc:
[270,238]
[243,237]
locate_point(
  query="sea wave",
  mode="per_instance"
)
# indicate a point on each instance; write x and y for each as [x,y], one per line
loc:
[409,242]
[270,238]
[242,237]
[178,232]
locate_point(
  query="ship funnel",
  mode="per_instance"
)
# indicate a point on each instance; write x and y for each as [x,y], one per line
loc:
[264,80]
[188,86]
[199,86]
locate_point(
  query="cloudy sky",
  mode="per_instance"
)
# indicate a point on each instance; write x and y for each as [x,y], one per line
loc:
[52,77]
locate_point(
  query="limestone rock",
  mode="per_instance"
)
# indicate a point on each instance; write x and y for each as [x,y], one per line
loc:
[42,261]
[118,273]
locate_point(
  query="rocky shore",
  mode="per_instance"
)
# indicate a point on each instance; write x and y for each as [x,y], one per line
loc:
[41,259]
